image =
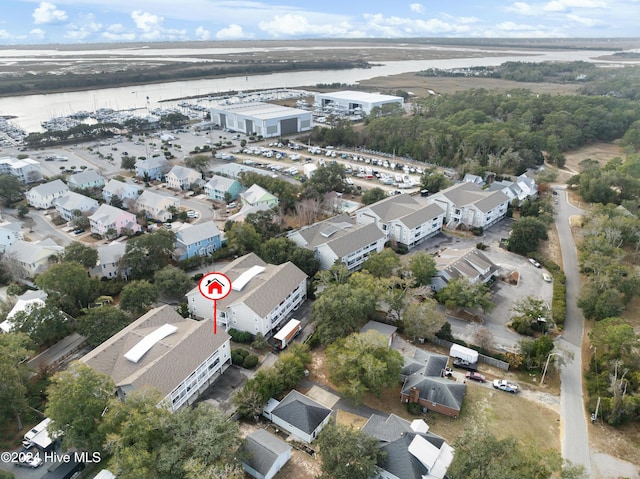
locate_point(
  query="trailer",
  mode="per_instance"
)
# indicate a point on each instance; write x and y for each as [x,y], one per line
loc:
[458,351]
[289,331]
[41,437]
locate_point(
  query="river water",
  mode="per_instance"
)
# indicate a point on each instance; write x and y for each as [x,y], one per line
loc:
[31,110]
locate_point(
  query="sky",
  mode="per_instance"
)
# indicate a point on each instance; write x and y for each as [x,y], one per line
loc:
[98,21]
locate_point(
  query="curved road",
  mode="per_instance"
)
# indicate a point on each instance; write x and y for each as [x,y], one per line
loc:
[575,437]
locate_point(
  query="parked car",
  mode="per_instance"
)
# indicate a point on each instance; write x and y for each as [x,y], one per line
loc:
[29,458]
[462,364]
[504,385]
[546,277]
[192,214]
[535,263]
[475,376]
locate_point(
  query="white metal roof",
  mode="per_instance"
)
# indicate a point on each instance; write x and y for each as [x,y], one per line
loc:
[247,276]
[145,344]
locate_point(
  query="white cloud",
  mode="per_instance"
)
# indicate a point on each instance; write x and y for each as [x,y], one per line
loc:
[48,13]
[520,30]
[146,22]
[521,8]
[37,33]
[84,28]
[587,22]
[565,5]
[116,32]
[292,24]
[417,7]
[202,33]
[232,32]
[4,35]
[390,27]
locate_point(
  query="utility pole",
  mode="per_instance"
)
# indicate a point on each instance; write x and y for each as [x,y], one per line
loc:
[546,366]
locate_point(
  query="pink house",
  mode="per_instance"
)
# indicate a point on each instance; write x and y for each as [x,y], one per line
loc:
[109,217]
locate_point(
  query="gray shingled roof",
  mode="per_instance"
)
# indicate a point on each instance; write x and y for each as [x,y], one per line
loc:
[264,291]
[75,201]
[301,411]
[116,187]
[50,188]
[394,207]
[106,214]
[491,200]
[421,216]
[182,172]
[313,234]
[190,234]
[425,363]
[385,329]
[168,362]
[357,238]
[220,183]
[111,253]
[86,176]
[263,449]
[437,390]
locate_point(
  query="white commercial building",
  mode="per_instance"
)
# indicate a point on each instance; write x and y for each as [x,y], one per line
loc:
[356,100]
[263,119]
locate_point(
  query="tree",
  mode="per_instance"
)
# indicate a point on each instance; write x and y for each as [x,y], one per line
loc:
[243,238]
[138,297]
[534,352]
[135,432]
[78,252]
[146,254]
[373,195]
[383,264]
[341,310]
[45,324]
[10,189]
[325,179]
[172,282]
[433,180]
[460,293]
[423,268]
[23,210]
[14,348]
[77,400]
[280,250]
[128,163]
[423,320]
[265,223]
[68,284]
[615,338]
[530,314]
[203,434]
[363,363]
[99,324]
[526,235]
[348,453]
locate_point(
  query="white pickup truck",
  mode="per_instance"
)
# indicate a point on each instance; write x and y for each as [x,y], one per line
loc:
[505,385]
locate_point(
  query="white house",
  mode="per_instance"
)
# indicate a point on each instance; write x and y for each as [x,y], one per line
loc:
[26,169]
[522,188]
[299,415]
[411,451]
[109,256]
[86,179]
[469,263]
[125,191]
[71,202]
[42,196]
[264,454]
[468,205]
[403,219]
[9,234]
[262,297]
[180,357]
[340,238]
[181,178]
[24,302]
[152,168]
[32,257]
[157,206]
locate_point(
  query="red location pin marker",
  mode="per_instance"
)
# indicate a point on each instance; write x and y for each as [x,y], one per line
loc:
[214,286]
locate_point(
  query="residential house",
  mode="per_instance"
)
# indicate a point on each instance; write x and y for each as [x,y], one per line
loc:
[425,385]
[70,203]
[386,330]
[42,196]
[85,179]
[340,238]
[109,256]
[200,239]
[181,177]
[522,188]
[9,234]
[24,302]
[470,263]
[256,195]
[245,211]
[475,179]
[264,454]
[152,168]
[31,258]
[299,415]
[262,297]
[466,204]
[411,451]
[157,206]
[403,219]
[218,186]
[109,217]
[125,191]
[180,357]
[26,169]
[235,170]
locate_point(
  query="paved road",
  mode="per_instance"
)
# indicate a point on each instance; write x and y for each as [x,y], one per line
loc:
[575,437]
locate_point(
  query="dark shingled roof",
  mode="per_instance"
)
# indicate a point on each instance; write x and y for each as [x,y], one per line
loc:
[302,412]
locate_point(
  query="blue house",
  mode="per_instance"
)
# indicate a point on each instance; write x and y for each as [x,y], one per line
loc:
[217,186]
[201,239]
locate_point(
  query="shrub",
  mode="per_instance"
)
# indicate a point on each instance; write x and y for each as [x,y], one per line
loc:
[477,230]
[240,336]
[238,355]
[481,246]
[414,408]
[250,361]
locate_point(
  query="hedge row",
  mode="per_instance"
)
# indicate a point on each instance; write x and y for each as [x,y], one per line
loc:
[241,357]
[559,298]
